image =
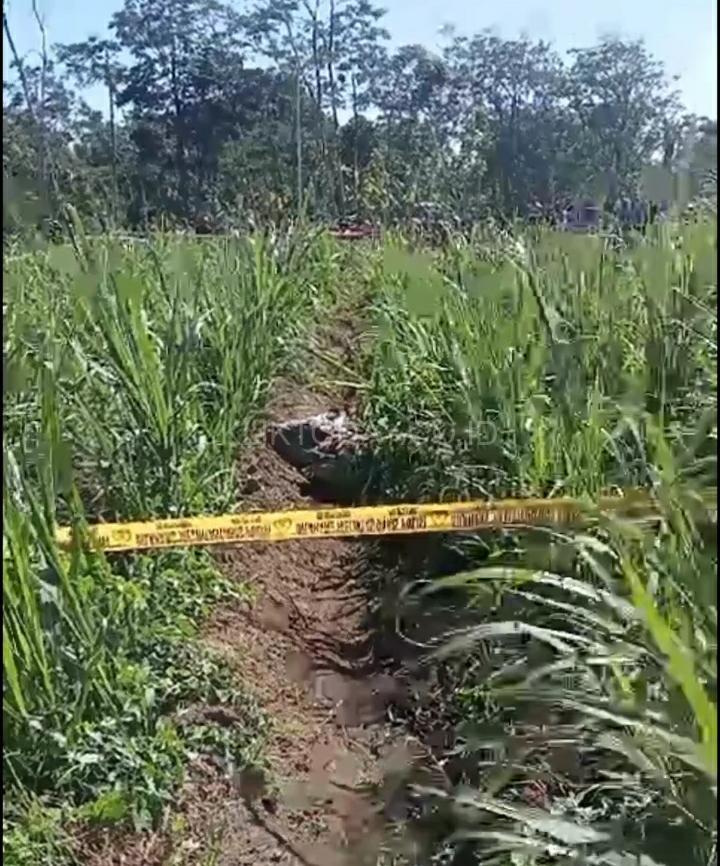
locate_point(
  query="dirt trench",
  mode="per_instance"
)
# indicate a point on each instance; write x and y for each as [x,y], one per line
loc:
[305,650]
[310,650]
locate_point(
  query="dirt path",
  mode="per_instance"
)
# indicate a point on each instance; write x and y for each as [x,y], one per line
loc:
[305,649]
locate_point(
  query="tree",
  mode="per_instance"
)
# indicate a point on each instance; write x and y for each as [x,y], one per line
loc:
[624,105]
[39,166]
[703,161]
[89,62]
[299,106]
[412,93]
[181,50]
[509,92]
[330,46]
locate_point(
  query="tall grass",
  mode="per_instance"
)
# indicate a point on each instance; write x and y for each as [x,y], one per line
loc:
[529,365]
[133,377]
[582,697]
[98,661]
[161,359]
[543,370]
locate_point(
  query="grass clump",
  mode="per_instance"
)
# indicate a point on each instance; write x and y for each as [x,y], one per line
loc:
[582,693]
[551,377]
[101,662]
[133,378]
[577,679]
[159,360]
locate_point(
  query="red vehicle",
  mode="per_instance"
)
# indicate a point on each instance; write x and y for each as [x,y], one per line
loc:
[354,230]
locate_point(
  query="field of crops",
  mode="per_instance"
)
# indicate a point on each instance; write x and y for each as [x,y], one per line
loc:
[530,364]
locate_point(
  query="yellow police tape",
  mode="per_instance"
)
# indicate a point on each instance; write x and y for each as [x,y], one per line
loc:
[365,520]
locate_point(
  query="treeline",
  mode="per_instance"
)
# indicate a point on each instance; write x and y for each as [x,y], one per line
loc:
[233,116]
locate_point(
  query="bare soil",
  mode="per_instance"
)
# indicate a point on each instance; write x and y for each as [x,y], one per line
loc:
[305,647]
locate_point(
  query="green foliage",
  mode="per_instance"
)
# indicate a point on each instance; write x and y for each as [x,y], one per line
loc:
[230,118]
[586,701]
[542,365]
[581,685]
[38,838]
[577,672]
[176,344]
[99,662]
[133,378]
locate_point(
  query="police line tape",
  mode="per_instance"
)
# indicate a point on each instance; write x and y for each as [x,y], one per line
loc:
[361,521]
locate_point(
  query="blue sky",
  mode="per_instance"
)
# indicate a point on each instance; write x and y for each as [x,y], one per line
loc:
[682,33]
